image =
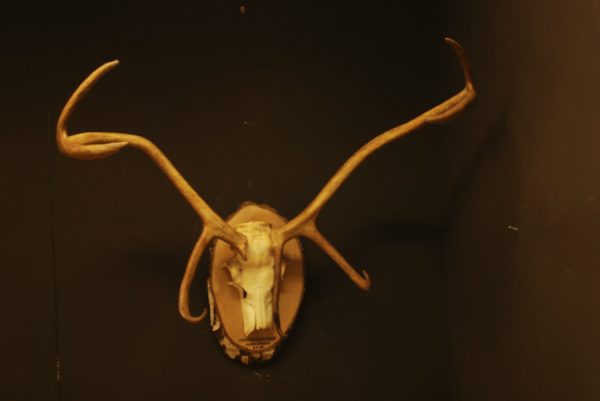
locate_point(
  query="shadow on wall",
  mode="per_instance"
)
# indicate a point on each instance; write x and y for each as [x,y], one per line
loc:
[480,244]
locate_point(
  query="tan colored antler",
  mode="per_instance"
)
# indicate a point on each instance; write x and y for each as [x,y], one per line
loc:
[305,223]
[98,145]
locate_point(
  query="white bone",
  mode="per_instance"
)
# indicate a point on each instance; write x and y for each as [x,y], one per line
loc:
[253,277]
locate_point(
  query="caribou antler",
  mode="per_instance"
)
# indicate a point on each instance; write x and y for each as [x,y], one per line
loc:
[98,145]
[305,223]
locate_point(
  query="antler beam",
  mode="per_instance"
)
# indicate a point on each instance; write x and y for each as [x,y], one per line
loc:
[305,223]
[98,145]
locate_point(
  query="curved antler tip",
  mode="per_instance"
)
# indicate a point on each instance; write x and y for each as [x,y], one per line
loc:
[464,61]
[448,39]
[454,44]
[277,321]
[193,319]
[366,284]
[108,66]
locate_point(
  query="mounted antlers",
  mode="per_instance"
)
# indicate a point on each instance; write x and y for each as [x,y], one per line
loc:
[265,245]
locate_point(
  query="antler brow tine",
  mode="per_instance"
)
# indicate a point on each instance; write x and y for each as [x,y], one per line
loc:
[97,145]
[305,223]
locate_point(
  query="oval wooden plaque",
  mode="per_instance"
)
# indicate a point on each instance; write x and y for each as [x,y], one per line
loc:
[225,307]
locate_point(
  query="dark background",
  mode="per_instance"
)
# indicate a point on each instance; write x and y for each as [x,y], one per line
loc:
[265,106]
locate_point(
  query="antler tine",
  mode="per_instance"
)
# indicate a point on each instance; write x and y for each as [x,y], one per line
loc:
[188,277]
[305,223]
[97,145]
[76,146]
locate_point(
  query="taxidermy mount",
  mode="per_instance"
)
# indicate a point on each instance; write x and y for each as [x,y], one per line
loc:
[256,280]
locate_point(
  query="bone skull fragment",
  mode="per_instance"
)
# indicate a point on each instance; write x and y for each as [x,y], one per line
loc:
[256,279]
[253,277]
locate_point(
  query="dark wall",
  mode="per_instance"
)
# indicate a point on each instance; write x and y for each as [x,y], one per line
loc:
[523,305]
[265,106]
[27,303]
[261,106]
